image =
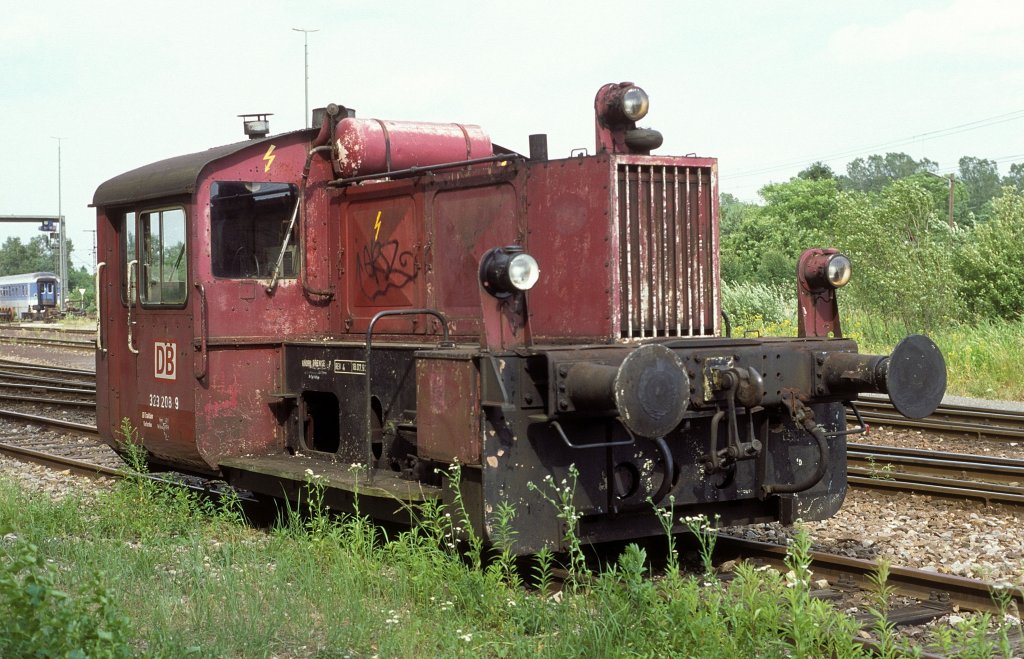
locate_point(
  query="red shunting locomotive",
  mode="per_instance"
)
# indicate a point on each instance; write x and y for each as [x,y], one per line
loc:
[406,296]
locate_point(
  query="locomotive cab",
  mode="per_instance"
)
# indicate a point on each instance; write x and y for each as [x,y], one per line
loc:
[405,297]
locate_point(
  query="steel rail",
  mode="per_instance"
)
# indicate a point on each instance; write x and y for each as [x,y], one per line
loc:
[47,421]
[79,467]
[944,487]
[17,378]
[892,460]
[841,571]
[49,401]
[14,364]
[990,479]
[93,470]
[42,328]
[976,420]
[40,387]
[45,341]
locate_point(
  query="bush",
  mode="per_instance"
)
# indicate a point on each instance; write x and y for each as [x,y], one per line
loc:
[754,305]
[990,264]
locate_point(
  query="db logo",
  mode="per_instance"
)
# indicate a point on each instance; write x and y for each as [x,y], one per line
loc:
[165,360]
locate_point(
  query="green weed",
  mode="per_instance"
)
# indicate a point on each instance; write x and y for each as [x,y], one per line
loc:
[42,619]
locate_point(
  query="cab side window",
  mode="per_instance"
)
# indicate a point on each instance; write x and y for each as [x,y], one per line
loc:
[251,229]
[163,260]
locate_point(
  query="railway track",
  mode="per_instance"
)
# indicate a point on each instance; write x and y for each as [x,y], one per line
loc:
[27,385]
[979,421]
[937,591]
[74,338]
[987,478]
[92,459]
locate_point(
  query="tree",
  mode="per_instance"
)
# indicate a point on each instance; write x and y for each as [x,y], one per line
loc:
[762,244]
[734,217]
[990,262]
[902,257]
[1016,176]
[816,171]
[36,256]
[981,178]
[78,280]
[732,212]
[938,187]
[873,173]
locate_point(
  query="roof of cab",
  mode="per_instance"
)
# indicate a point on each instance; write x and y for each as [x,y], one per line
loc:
[166,178]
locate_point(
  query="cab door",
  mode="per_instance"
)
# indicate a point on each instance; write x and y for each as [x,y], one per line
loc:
[115,363]
[160,336]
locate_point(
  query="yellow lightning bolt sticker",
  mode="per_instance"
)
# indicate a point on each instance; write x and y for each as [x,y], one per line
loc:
[269,158]
[376,227]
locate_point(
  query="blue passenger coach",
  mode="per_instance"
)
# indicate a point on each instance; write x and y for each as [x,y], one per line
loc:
[30,296]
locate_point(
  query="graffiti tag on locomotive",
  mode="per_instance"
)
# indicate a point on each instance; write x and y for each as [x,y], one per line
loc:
[407,296]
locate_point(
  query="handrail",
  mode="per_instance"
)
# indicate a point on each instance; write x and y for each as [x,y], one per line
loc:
[99,309]
[131,305]
[422,169]
[445,342]
[203,334]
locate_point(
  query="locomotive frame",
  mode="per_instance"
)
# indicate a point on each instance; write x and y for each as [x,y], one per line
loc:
[369,293]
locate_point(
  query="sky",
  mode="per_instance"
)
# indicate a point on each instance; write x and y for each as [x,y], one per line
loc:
[766,87]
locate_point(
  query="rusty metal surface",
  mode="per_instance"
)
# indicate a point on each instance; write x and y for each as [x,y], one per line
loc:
[232,415]
[370,146]
[571,236]
[448,400]
[667,242]
[818,311]
[467,223]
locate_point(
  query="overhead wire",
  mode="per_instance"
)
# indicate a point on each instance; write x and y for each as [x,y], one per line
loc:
[867,150]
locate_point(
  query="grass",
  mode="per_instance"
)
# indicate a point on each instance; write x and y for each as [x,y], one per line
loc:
[981,359]
[146,569]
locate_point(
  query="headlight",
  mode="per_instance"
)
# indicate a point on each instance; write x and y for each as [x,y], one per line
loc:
[523,271]
[635,103]
[507,270]
[838,270]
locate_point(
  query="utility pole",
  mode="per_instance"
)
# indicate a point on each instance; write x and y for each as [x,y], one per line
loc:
[305,49]
[93,232]
[62,271]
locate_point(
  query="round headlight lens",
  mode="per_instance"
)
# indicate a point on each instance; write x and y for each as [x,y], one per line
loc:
[523,271]
[838,270]
[635,104]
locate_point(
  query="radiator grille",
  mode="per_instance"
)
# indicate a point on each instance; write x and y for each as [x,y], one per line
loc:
[668,247]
